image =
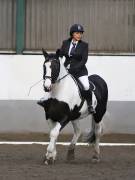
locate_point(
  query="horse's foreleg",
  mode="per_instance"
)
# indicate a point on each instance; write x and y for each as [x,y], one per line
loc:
[51,124]
[98,133]
[51,149]
[77,133]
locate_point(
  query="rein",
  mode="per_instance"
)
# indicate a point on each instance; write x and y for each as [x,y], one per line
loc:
[34,85]
[57,81]
[62,78]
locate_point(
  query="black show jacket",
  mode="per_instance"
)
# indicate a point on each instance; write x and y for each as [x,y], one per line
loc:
[78,59]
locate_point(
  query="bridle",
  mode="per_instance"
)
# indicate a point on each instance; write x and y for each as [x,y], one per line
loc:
[54,77]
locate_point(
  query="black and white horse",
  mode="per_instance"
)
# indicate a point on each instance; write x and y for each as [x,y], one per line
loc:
[65,104]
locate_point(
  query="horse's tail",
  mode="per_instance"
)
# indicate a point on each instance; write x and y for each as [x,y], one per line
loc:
[101,93]
[101,87]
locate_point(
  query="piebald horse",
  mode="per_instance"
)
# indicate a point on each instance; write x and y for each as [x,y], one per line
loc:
[66,104]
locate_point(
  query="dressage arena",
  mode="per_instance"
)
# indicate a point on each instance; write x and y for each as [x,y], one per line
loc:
[25,161]
[27,26]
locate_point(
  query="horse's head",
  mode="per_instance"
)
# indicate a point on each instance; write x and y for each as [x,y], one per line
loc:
[51,69]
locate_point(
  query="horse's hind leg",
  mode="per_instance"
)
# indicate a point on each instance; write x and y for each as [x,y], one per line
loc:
[98,129]
[77,133]
[98,132]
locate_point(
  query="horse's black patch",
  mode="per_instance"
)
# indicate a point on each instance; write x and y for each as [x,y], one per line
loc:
[59,111]
[55,66]
[75,113]
[56,110]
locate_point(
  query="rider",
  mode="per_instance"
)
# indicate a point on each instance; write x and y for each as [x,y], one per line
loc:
[76,52]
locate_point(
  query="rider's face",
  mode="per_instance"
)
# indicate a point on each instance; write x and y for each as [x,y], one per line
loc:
[77,36]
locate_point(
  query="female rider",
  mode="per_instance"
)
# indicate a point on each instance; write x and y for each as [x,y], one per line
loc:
[76,52]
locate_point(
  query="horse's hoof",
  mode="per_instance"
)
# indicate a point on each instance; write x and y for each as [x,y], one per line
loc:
[45,161]
[49,161]
[70,155]
[95,159]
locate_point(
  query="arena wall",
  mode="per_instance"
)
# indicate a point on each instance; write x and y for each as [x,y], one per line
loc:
[20,113]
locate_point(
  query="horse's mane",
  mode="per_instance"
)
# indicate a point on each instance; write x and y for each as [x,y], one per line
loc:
[53,56]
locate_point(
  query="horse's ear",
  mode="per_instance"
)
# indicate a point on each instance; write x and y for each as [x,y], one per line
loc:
[58,53]
[45,53]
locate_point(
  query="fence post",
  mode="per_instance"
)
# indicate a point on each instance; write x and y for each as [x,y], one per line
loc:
[20,25]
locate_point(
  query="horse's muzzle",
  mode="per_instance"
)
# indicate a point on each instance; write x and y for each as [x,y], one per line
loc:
[47,89]
[47,85]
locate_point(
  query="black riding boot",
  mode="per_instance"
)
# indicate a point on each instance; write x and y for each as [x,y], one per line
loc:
[88,96]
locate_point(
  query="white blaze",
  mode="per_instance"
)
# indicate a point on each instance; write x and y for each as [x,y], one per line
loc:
[47,82]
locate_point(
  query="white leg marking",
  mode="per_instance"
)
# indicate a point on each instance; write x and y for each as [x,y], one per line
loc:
[51,149]
[98,132]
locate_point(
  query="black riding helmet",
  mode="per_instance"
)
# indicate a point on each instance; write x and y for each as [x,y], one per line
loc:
[76,28]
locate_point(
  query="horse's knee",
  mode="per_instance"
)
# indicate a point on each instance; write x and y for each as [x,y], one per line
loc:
[55,131]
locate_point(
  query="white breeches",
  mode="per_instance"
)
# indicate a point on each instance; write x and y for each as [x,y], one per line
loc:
[84,80]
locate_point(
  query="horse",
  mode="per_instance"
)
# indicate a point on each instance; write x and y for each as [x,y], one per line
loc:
[65,104]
